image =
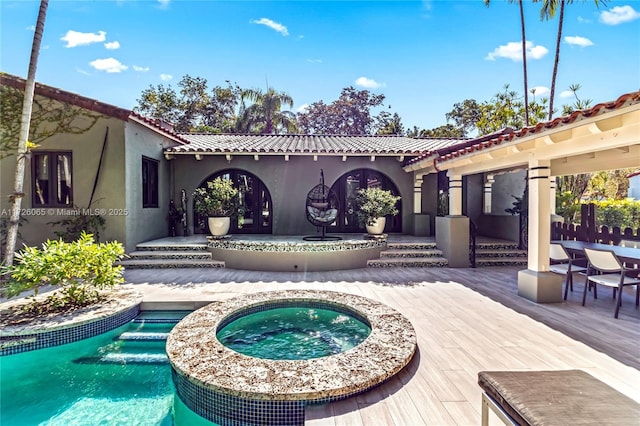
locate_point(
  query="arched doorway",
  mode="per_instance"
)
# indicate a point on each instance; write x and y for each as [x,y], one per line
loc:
[347,188]
[255,214]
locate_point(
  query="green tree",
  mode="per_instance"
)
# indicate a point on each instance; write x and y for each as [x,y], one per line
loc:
[389,124]
[444,131]
[350,114]
[265,114]
[549,9]
[578,103]
[524,58]
[27,107]
[193,107]
[465,115]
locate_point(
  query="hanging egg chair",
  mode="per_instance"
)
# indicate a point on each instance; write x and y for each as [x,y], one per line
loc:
[321,208]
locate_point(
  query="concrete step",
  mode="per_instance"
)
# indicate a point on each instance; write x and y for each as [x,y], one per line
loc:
[500,253]
[177,247]
[501,261]
[171,263]
[169,254]
[412,246]
[511,245]
[408,262]
[411,253]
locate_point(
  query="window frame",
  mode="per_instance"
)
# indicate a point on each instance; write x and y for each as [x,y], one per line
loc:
[148,192]
[52,178]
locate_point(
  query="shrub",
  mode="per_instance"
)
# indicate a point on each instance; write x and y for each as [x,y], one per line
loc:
[622,213]
[218,199]
[82,268]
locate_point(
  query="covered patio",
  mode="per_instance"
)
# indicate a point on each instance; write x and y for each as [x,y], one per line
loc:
[605,137]
[466,320]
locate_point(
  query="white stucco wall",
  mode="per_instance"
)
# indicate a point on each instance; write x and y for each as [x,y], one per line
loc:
[634,187]
[86,149]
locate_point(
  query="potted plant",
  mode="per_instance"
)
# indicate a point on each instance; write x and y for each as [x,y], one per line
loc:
[374,204]
[218,201]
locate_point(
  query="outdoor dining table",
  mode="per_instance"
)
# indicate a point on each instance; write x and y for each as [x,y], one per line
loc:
[629,255]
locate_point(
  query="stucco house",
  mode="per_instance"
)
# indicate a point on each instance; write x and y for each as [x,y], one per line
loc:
[138,165]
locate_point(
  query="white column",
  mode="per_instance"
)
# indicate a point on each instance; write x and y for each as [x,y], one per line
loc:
[455,194]
[552,194]
[417,193]
[488,185]
[539,215]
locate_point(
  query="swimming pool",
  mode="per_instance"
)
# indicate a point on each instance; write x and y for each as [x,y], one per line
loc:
[121,377]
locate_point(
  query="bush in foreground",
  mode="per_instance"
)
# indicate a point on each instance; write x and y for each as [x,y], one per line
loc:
[81,268]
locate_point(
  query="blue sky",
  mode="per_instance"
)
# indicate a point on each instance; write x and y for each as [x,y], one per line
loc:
[424,56]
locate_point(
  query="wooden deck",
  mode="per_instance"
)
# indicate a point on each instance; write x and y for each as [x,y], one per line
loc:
[467,320]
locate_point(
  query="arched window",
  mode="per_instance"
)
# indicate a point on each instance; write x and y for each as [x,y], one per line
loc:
[347,188]
[255,214]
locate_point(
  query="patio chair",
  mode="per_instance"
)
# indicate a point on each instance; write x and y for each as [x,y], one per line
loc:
[564,265]
[611,274]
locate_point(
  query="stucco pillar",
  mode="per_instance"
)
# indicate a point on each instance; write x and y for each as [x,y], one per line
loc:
[417,193]
[452,237]
[455,194]
[421,219]
[488,184]
[536,283]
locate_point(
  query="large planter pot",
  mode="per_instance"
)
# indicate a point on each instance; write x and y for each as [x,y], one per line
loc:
[378,226]
[219,226]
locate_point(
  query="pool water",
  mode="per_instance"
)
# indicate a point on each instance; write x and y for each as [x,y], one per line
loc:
[118,378]
[293,333]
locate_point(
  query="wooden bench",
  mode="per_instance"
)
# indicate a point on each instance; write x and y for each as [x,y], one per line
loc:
[567,397]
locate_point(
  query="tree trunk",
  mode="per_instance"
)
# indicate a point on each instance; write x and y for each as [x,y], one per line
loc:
[524,66]
[557,59]
[18,194]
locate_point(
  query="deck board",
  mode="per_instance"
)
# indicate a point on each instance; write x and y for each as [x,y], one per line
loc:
[466,320]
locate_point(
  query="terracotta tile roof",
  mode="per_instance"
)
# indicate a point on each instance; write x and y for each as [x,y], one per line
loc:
[90,104]
[497,139]
[308,144]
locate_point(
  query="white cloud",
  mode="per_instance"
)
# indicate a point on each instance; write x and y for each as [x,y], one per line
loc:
[619,15]
[109,65]
[164,4]
[540,91]
[303,108]
[314,61]
[112,45]
[566,94]
[584,20]
[513,50]
[75,38]
[578,41]
[165,77]
[276,26]
[31,28]
[81,71]
[368,83]
[140,69]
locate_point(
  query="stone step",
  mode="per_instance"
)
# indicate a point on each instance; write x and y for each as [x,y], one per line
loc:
[500,253]
[412,253]
[171,263]
[169,254]
[408,262]
[497,246]
[411,246]
[501,261]
[177,247]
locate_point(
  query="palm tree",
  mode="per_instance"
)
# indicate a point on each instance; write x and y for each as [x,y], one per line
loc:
[524,58]
[265,113]
[549,8]
[27,107]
